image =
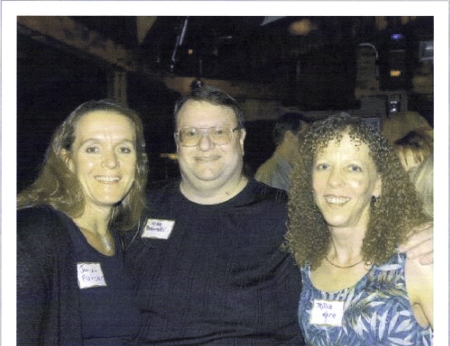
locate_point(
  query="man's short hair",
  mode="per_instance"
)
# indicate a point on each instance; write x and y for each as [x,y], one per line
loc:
[214,96]
[290,121]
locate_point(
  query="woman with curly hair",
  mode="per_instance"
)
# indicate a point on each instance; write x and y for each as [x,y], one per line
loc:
[72,285]
[351,204]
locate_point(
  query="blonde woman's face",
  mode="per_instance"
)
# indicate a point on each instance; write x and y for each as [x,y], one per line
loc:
[103,157]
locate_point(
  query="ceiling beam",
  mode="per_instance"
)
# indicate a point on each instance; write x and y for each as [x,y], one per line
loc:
[67,34]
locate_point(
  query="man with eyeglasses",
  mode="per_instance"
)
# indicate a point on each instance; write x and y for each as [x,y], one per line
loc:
[207,261]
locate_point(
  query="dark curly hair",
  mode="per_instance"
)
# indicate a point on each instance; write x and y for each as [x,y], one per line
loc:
[57,186]
[391,215]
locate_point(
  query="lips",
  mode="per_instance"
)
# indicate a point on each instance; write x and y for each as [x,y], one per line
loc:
[336,200]
[207,158]
[107,179]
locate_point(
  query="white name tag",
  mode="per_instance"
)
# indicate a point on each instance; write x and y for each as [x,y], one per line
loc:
[159,229]
[325,312]
[90,275]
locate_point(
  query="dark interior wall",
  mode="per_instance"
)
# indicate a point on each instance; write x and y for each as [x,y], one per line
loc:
[50,84]
[324,79]
[155,102]
[259,144]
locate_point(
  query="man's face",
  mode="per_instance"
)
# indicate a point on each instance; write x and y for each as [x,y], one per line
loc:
[208,164]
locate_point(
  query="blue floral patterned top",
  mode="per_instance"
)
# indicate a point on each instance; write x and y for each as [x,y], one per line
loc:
[375,311]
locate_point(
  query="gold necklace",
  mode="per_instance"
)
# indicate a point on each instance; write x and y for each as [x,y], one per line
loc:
[342,267]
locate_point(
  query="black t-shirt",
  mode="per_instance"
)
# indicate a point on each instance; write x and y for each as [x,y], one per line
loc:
[220,277]
[109,313]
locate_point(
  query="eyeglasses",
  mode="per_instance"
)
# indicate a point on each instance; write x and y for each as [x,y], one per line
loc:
[191,136]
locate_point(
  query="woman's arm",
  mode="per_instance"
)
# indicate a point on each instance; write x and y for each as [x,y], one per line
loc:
[419,284]
[31,300]
[36,253]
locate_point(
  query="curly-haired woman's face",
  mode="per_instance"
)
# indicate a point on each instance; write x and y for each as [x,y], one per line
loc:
[344,180]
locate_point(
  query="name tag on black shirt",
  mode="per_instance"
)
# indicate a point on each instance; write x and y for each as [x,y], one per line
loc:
[158,229]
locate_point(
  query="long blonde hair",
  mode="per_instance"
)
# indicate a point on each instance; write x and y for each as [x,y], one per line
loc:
[57,186]
[415,147]
[422,178]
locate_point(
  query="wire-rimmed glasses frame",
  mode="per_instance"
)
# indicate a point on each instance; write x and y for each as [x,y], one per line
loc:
[191,136]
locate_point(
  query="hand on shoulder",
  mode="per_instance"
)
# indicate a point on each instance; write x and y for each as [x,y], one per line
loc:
[420,243]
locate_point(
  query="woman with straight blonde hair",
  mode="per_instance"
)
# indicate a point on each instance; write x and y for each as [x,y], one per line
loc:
[72,286]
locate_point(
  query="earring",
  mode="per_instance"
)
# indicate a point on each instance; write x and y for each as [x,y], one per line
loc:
[374,200]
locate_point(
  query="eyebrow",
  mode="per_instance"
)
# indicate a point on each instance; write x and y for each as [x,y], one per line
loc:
[97,140]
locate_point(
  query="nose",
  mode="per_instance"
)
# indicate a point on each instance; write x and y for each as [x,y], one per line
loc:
[205,142]
[335,178]
[110,159]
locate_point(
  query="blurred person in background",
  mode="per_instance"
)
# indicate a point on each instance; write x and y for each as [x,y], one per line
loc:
[276,170]
[415,147]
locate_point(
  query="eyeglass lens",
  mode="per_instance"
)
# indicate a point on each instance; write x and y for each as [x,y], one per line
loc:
[190,136]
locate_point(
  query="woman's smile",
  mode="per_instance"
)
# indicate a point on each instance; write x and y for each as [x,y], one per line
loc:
[336,200]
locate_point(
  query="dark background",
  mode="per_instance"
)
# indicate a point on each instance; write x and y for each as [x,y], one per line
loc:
[313,72]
